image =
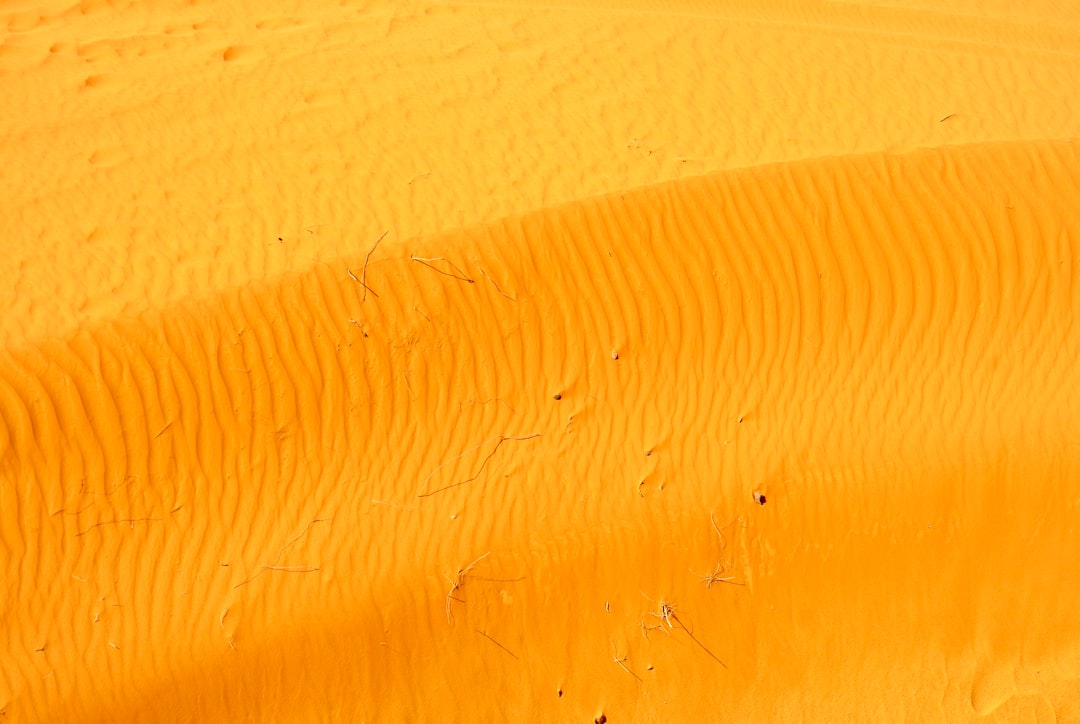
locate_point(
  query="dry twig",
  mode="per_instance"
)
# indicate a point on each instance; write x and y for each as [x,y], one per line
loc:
[365,286]
[456,584]
[501,439]
[426,261]
[622,662]
[291,569]
[131,521]
[667,614]
[363,273]
[287,569]
[489,638]
[710,578]
[497,287]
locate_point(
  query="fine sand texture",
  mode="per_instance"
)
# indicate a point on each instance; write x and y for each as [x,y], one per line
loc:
[600,361]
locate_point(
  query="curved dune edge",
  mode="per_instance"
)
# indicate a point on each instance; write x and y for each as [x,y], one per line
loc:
[883,346]
[160,153]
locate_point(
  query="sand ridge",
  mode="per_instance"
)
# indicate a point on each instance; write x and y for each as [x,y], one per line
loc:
[166,153]
[372,499]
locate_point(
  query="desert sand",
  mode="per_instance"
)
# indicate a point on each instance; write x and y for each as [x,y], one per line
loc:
[599,361]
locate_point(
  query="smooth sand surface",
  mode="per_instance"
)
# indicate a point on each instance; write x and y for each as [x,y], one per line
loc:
[649,361]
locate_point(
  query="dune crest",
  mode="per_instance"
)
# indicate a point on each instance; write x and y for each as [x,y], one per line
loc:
[163,153]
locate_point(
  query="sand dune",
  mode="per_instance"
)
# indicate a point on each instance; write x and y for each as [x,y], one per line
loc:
[172,151]
[553,361]
[289,471]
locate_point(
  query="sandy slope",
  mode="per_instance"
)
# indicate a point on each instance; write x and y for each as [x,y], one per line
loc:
[173,149]
[234,482]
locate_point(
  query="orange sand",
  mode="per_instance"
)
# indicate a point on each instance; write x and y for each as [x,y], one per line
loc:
[644,265]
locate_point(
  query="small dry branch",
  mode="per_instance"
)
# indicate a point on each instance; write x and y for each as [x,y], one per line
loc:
[497,287]
[710,578]
[500,440]
[291,569]
[622,662]
[288,569]
[489,638]
[455,585]
[667,615]
[363,273]
[457,274]
[132,521]
[365,286]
